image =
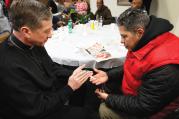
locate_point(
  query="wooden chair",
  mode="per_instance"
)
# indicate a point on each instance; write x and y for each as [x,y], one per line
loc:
[4,36]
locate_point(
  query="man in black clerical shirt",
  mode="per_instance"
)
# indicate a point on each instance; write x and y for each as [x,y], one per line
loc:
[32,86]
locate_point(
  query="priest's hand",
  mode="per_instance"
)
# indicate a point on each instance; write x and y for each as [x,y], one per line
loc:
[78,77]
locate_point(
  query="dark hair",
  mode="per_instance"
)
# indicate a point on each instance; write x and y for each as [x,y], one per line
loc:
[102,1]
[29,13]
[133,18]
[89,7]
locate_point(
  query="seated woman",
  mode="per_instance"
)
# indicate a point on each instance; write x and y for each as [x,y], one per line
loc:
[84,13]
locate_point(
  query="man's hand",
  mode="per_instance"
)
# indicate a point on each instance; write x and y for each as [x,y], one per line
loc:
[99,78]
[78,77]
[101,94]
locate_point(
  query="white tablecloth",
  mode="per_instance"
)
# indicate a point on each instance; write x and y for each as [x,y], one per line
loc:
[68,48]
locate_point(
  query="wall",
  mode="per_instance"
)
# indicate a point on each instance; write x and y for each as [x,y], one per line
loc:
[167,9]
[112,5]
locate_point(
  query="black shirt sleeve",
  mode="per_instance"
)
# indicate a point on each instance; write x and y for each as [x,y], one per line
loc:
[27,88]
[159,87]
[28,97]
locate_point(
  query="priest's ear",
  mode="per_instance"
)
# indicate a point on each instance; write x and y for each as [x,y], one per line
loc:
[26,31]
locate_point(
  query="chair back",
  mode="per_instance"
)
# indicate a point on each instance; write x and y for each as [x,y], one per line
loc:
[4,36]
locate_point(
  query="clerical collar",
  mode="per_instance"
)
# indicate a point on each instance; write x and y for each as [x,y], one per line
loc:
[17,43]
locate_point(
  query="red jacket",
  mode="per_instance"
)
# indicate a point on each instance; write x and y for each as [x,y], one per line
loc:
[156,53]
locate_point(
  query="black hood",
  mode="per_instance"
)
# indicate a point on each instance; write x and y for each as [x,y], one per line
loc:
[156,27]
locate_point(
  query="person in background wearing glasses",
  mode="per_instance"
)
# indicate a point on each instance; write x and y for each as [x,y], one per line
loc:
[32,86]
[149,80]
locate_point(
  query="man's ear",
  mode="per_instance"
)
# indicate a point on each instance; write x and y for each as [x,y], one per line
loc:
[140,32]
[26,31]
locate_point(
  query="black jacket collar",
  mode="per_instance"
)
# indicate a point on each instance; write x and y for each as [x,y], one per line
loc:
[17,43]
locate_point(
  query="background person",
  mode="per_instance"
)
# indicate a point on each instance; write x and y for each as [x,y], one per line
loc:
[104,12]
[5,28]
[141,4]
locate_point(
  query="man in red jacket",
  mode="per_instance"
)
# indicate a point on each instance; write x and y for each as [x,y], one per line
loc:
[32,86]
[149,80]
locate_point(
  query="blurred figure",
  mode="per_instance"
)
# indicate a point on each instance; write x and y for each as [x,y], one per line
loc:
[141,4]
[70,12]
[137,4]
[91,15]
[148,83]
[8,3]
[5,5]
[60,6]
[84,13]
[81,7]
[68,4]
[4,22]
[104,12]
[60,18]
[53,6]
